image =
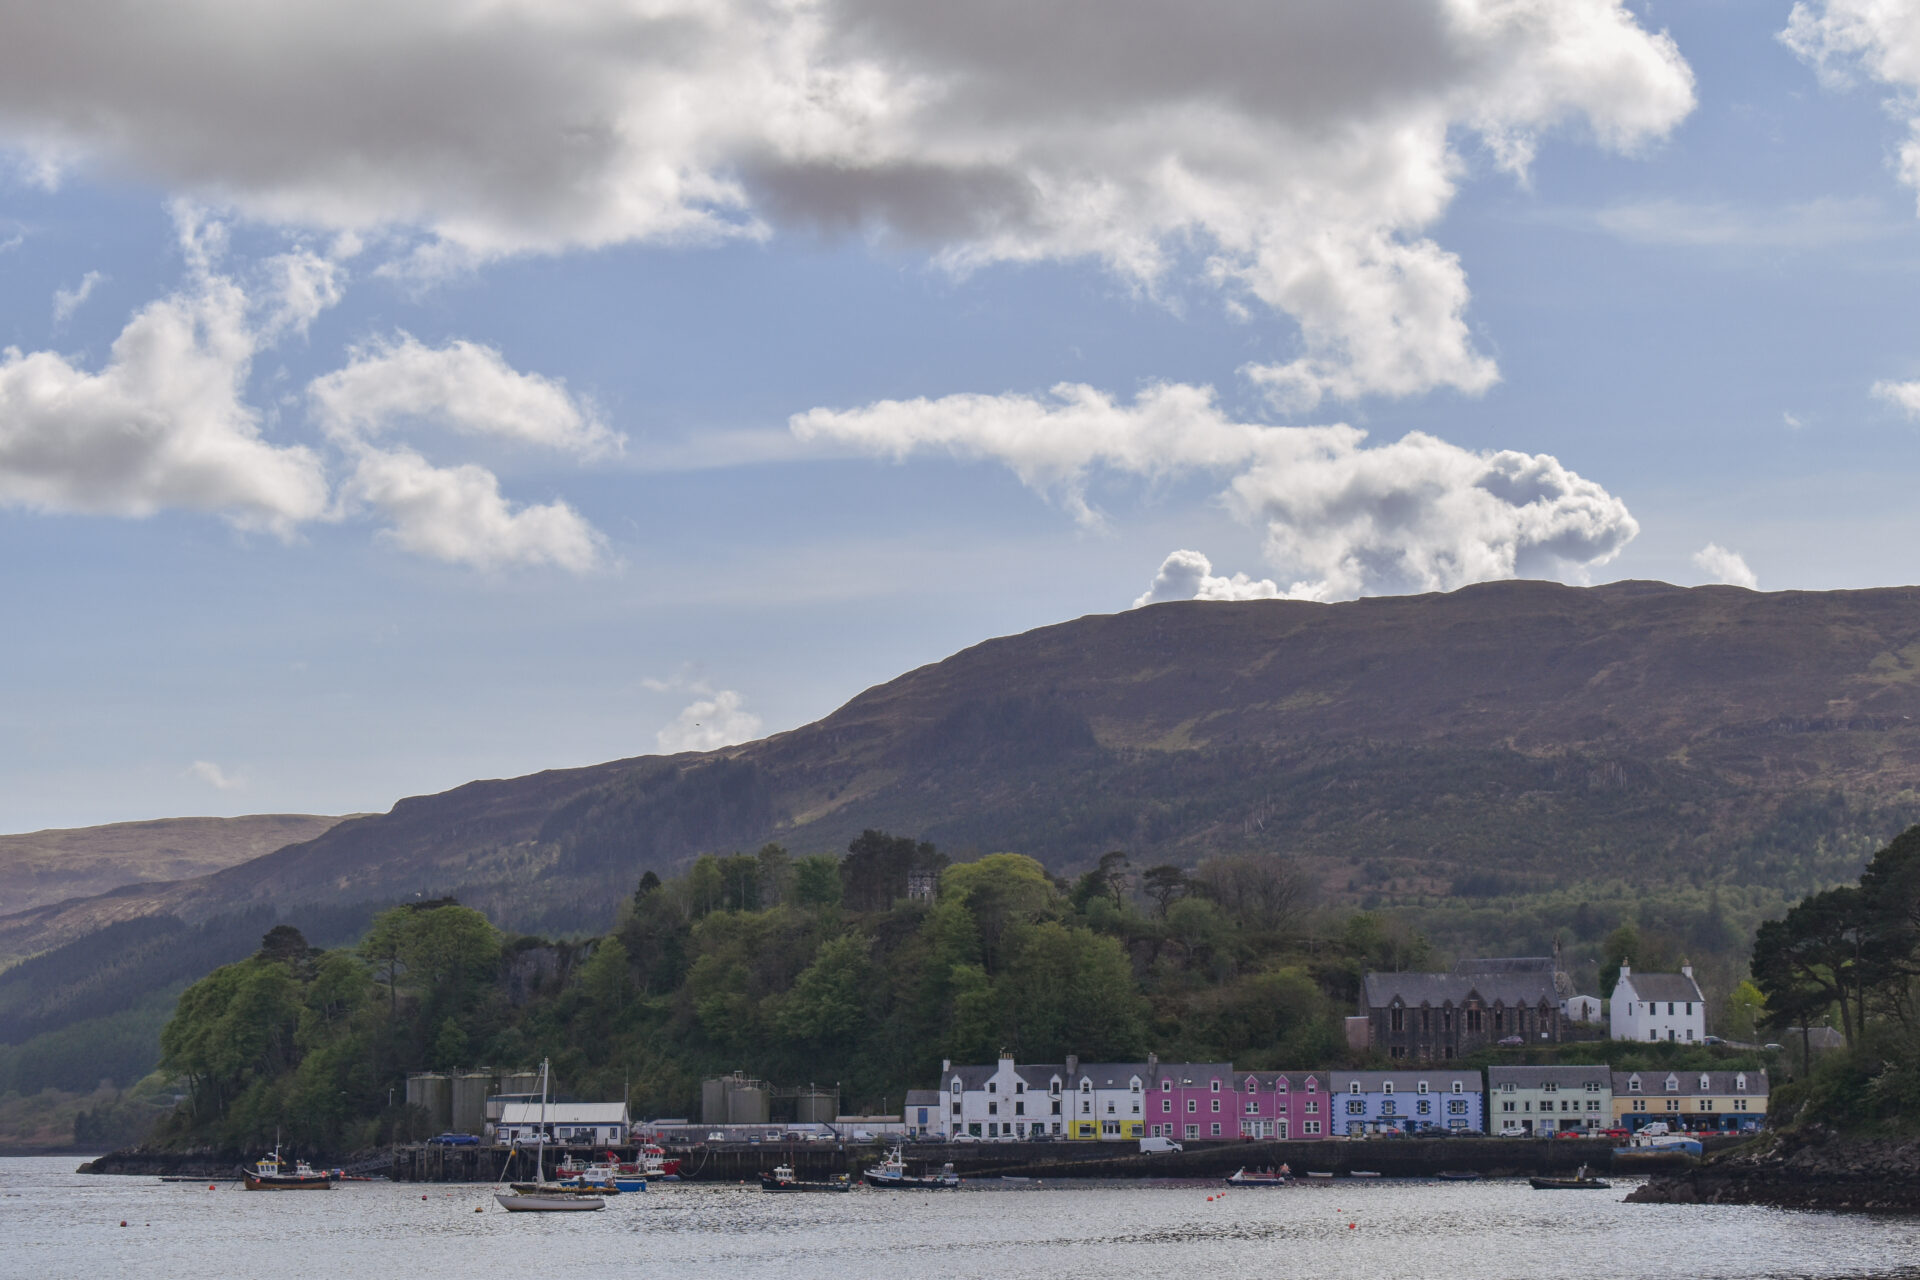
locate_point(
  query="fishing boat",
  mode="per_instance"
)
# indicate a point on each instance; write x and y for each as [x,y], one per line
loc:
[783,1179]
[654,1162]
[541,1196]
[1364,1173]
[1581,1181]
[271,1173]
[601,1174]
[891,1175]
[1243,1177]
[1458,1175]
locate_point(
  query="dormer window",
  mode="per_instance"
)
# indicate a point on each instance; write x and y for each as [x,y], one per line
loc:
[1353,1087]
[1134,1086]
[1549,1086]
[1086,1086]
[1054,1088]
[1423,1086]
[1166,1086]
[1673,1084]
[1312,1084]
[1740,1082]
[1633,1084]
[1458,1087]
[1216,1086]
[1386,1087]
[1705,1083]
[993,1086]
[956,1084]
[1280,1085]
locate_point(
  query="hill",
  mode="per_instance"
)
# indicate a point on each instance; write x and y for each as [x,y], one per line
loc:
[1531,733]
[43,867]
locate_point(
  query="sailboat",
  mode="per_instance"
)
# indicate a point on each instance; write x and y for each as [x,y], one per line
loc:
[541,1196]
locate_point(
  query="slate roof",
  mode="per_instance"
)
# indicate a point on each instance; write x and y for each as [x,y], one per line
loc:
[1039,1075]
[922,1098]
[1661,986]
[1574,1077]
[1111,1075]
[1192,1075]
[1653,1084]
[1439,1081]
[971,1078]
[1436,989]
[1269,1081]
[1506,964]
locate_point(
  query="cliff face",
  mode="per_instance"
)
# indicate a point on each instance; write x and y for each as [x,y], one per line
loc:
[1812,1169]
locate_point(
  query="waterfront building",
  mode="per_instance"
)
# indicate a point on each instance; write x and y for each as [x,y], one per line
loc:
[1731,1100]
[921,1113]
[1107,1100]
[1365,1101]
[594,1123]
[1658,1006]
[1437,1017]
[1191,1101]
[1549,1099]
[1286,1106]
[1004,1100]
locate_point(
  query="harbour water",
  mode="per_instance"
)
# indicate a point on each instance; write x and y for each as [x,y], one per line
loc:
[55,1223]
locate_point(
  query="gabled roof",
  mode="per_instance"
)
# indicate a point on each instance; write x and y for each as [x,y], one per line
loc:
[922,1098]
[1438,1081]
[1654,1083]
[1437,989]
[971,1077]
[1659,986]
[1196,1075]
[1039,1075]
[1111,1075]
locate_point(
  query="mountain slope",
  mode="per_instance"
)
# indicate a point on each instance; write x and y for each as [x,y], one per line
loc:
[1552,735]
[43,867]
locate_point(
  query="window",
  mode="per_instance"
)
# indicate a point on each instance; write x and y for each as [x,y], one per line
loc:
[1705,1083]
[1216,1086]
[1386,1087]
[993,1130]
[1593,1086]
[1193,1131]
[1387,1107]
[1394,1019]
[956,1086]
[1109,1108]
[1136,1107]
[1019,1086]
[1423,1107]
[1054,1088]
[1135,1086]
[1673,1104]
[1252,1107]
[1457,1086]
[1309,1126]
[993,1108]
[1508,1106]
[1192,1106]
[1166,1086]
[1353,1087]
[1706,1104]
[1356,1107]
[1740,1082]
[1673,1084]
[1166,1104]
[1456,1106]
[1216,1106]
[1639,1104]
[1549,1087]
[1020,1108]
[1313,1107]
[1086,1086]
[1633,1084]
[1086,1108]
[1423,1086]
[1312,1083]
[1508,1087]
[993,1086]
[1216,1128]
[1056,1107]
[1593,1104]
[956,1109]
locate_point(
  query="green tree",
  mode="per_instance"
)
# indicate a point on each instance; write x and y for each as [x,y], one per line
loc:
[816,881]
[827,1007]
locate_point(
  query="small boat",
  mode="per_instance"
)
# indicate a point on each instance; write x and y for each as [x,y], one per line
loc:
[1363,1173]
[603,1174]
[1458,1175]
[1581,1181]
[891,1175]
[541,1196]
[653,1162]
[1318,1174]
[783,1179]
[271,1173]
[1241,1177]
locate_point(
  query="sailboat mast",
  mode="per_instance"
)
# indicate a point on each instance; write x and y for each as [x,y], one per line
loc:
[540,1153]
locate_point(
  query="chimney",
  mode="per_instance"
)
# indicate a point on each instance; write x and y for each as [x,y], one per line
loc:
[1686,970]
[1153,1060]
[946,1065]
[1626,970]
[1073,1066]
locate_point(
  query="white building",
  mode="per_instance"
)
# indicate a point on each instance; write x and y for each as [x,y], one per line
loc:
[1004,1100]
[1658,1006]
[1549,1099]
[594,1123]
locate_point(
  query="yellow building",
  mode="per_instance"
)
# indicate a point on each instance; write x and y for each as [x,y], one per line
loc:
[1727,1100]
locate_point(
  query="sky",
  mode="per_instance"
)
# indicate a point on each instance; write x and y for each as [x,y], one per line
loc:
[395,396]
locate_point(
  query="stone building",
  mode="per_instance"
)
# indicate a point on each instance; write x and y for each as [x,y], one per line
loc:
[1434,1017]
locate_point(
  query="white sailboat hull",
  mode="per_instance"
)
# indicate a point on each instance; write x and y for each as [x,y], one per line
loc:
[535,1202]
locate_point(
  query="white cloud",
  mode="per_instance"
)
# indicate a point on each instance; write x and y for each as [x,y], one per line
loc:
[1792,421]
[1879,39]
[1903,395]
[1344,517]
[214,776]
[1188,575]
[1303,150]
[1810,225]
[162,425]
[719,721]
[1722,565]
[458,514]
[462,385]
[68,301]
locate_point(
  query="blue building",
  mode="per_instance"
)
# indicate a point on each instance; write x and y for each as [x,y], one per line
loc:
[1412,1101]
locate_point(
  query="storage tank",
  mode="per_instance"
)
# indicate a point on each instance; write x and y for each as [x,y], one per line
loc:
[747,1104]
[470,1092]
[519,1082]
[713,1101]
[816,1106]
[429,1090]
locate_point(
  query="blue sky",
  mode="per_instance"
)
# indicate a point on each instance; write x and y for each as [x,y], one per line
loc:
[476,461]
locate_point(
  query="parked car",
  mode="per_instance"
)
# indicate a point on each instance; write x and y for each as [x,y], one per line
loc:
[716,1136]
[1160,1144]
[1712,1040]
[1513,1131]
[453,1140]
[861,1135]
[1616,1134]
[1772,1048]
[965,1137]
[1511,1042]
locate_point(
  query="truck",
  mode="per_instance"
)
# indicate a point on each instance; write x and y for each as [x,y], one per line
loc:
[1149,1146]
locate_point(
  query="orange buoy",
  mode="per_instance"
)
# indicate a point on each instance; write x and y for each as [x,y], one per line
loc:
[123,1222]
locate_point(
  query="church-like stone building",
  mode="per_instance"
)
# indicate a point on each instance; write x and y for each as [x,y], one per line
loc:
[1434,1017]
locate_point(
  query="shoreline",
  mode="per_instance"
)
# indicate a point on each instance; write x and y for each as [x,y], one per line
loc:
[1811,1169]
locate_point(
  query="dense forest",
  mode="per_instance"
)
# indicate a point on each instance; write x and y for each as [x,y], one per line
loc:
[862,970]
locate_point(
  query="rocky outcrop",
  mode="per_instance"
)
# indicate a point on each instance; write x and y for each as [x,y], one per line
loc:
[1814,1168]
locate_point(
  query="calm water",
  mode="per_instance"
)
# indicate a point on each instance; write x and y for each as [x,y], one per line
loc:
[56,1223]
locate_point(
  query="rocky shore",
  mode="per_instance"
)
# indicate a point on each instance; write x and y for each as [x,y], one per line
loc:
[1813,1168]
[202,1162]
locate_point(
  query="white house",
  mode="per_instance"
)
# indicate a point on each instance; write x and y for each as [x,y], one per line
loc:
[1658,1006]
[595,1123]
[1004,1100]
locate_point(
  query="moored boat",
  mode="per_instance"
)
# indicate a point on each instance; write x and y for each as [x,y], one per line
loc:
[1458,1175]
[271,1173]
[541,1196]
[891,1175]
[783,1178]
[1243,1177]
[1581,1181]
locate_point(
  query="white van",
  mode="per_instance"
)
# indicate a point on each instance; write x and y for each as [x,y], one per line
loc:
[1159,1144]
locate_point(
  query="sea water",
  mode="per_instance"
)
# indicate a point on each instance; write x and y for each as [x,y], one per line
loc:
[56,1223]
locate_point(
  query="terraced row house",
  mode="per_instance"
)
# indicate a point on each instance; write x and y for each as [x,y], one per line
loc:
[1731,1100]
[1549,1099]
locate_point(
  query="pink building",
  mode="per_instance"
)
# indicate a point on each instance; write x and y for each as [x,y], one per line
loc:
[1288,1106]
[1191,1100]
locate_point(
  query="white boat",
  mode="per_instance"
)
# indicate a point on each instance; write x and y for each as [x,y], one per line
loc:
[541,1196]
